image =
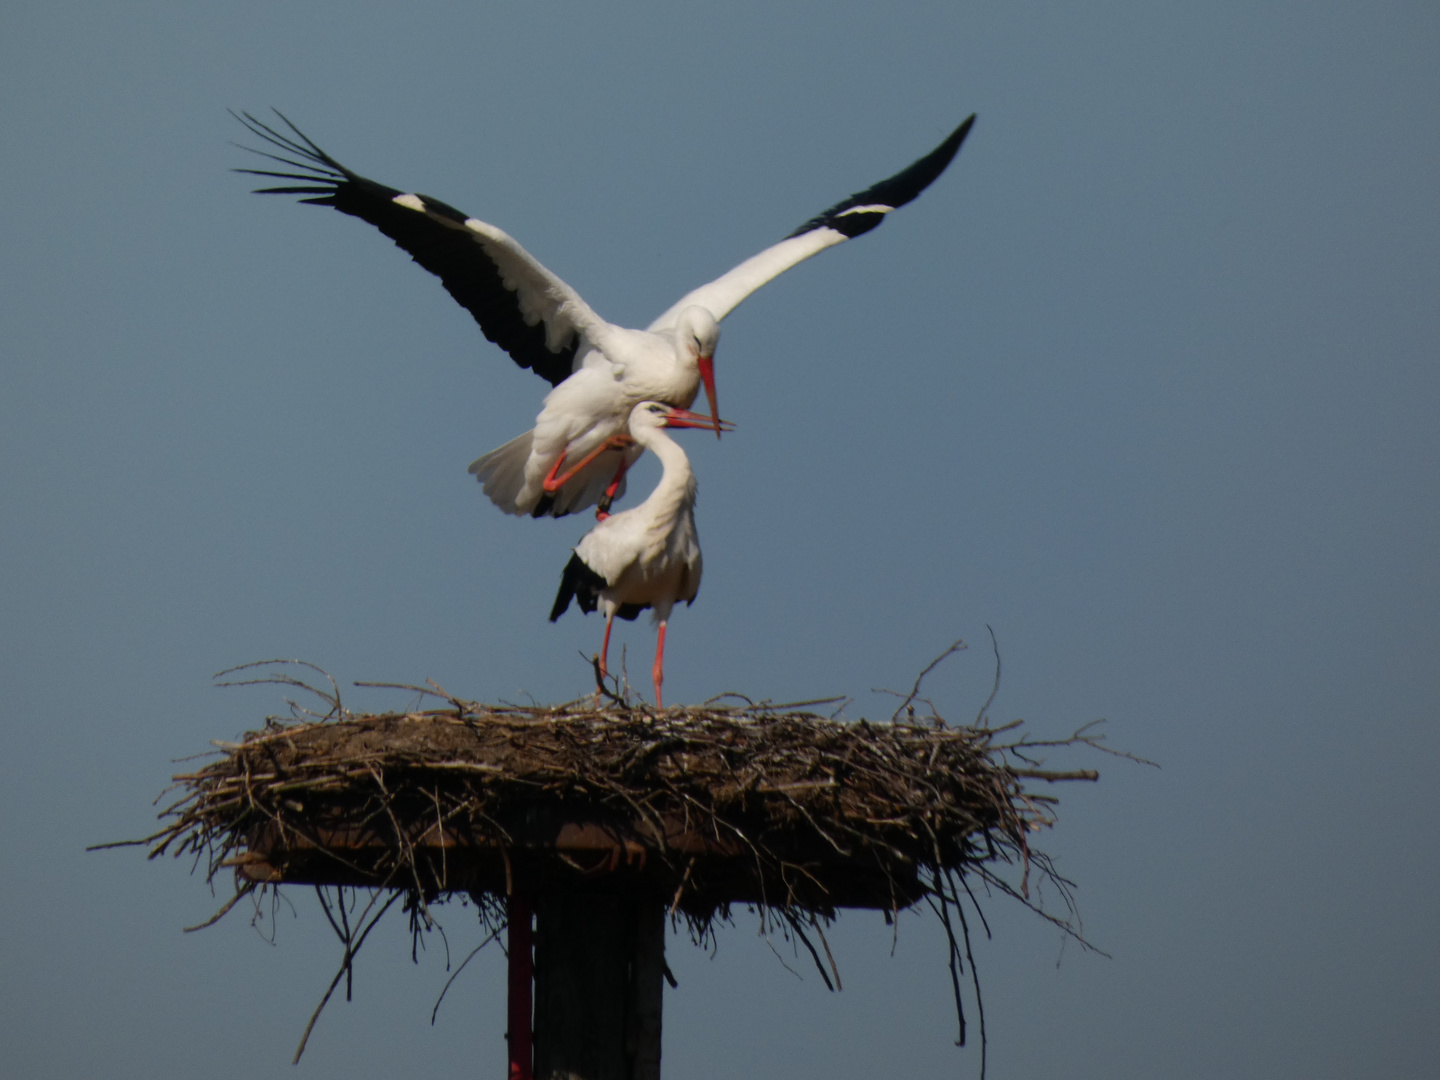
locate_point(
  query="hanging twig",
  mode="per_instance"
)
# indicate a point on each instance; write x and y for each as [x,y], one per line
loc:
[244,891]
[350,952]
[456,974]
[794,921]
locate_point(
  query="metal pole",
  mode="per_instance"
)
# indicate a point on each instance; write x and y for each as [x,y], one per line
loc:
[518,986]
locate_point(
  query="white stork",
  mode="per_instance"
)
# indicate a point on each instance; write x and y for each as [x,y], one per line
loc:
[599,371]
[647,556]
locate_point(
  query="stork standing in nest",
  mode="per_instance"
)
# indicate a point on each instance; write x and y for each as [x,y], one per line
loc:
[599,371]
[647,556]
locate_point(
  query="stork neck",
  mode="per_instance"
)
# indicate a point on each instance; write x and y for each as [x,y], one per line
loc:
[677,479]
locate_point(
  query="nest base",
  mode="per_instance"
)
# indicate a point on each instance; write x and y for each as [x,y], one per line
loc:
[699,807]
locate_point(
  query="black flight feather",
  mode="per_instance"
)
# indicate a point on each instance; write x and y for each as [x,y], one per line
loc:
[892,193]
[583,585]
[457,260]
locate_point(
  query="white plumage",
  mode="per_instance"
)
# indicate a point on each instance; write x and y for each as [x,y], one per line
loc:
[599,371]
[647,556]
[590,408]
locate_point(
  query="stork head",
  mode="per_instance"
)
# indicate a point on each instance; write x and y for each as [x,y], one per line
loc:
[697,334]
[651,415]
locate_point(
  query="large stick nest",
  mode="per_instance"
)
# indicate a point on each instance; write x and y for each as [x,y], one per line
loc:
[700,807]
[705,806]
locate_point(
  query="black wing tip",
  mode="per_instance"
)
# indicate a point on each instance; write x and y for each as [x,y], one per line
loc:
[311,157]
[891,193]
[323,181]
[910,182]
[929,167]
[313,189]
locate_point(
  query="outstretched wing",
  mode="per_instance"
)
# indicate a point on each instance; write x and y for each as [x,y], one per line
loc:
[520,305]
[858,214]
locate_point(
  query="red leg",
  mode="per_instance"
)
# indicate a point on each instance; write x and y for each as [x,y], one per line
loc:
[550,484]
[658,671]
[603,510]
[553,483]
[519,983]
[605,645]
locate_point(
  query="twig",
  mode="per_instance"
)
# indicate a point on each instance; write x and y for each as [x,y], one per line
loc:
[278,679]
[244,891]
[974,974]
[473,953]
[956,646]
[794,922]
[344,967]
[994,689]
[1042,774]
[601,688]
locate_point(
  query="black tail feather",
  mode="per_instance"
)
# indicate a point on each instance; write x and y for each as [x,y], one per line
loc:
[580,583]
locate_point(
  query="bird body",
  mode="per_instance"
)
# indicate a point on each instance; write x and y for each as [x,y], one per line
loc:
[649,555]
[621,369]
[599,371]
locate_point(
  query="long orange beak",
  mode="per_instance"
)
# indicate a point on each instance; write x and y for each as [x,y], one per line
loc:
[684,418]
[707,377]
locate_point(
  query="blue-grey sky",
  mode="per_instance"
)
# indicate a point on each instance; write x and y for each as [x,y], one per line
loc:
[1147,382]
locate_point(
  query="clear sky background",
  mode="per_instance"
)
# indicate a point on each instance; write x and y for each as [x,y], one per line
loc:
[1147,382]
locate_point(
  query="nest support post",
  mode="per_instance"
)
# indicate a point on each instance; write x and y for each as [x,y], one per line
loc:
[519,988]
[599,973]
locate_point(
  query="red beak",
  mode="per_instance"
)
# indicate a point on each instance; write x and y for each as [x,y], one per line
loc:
[707,377]
[684,418]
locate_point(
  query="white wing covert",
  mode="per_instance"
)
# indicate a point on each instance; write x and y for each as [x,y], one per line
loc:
[848,218]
